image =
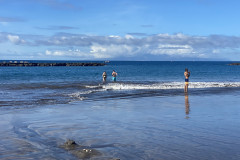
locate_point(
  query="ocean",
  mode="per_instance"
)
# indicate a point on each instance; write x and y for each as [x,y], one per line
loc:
[145,114]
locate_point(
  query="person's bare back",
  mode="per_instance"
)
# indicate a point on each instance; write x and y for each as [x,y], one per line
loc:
[187,75]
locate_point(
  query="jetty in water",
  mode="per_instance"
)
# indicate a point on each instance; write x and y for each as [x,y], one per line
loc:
[234,64]
[47,64]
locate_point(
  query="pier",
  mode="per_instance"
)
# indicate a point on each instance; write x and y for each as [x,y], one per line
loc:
[47,64]
[234,64]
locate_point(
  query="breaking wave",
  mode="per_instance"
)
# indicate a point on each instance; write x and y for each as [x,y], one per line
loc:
[102,88]
[168,85]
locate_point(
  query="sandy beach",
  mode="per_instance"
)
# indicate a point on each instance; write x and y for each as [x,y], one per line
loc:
[163,127]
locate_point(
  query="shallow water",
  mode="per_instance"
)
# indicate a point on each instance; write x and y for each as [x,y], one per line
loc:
[160,127]
[144,115]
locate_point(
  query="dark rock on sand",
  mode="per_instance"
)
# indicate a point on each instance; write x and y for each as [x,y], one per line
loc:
[82,152]
[86,153]
[70,145]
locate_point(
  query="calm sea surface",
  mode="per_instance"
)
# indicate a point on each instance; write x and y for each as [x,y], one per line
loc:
[144,115]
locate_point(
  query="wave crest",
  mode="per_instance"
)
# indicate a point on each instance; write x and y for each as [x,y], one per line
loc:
[168,85]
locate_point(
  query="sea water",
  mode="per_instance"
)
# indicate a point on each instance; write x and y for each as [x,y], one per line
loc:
[31,86]
[144,115]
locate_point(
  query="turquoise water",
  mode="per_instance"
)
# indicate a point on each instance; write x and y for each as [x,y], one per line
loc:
[145,115]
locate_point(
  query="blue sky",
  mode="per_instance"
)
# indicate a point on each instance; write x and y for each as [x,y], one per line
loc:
[119,30]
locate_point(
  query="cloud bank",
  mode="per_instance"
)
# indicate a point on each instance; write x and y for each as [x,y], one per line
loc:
[129,46]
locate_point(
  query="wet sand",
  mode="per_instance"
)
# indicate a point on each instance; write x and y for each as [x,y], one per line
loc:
[182,127]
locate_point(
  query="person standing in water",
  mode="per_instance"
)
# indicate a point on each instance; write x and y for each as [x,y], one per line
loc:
[104,75]
[114,76]
[187,75]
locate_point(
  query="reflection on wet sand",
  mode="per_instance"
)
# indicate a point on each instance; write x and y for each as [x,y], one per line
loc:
[187,106]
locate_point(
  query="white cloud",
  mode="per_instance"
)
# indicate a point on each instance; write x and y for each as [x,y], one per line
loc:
[182,50]
[111,51]
[113,46]
[55,53]
[68,53]
[113,36]
[129,36]
[15,39]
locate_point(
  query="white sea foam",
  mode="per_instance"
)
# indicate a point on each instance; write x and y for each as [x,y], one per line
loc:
[93,87]
[78,95]
[82,94]
[169,85]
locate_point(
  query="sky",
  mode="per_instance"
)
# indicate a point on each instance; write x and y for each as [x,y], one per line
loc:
[142,30]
